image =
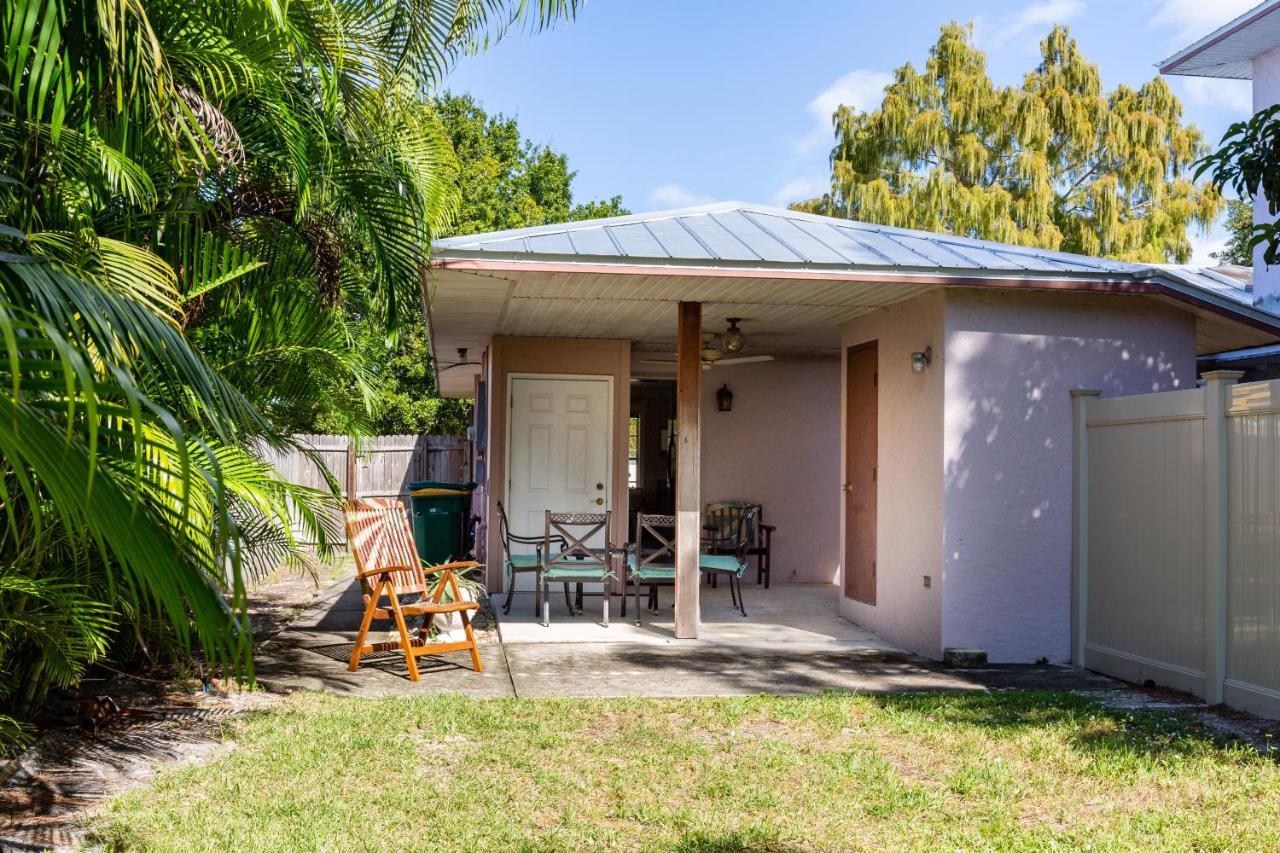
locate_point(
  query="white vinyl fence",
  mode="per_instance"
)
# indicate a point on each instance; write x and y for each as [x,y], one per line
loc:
[1177,539]
[381,467]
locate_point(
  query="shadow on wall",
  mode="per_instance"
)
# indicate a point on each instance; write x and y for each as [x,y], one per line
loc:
[1008,454]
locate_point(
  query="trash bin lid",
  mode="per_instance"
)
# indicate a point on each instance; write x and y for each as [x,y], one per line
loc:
[438,493]
[441,484]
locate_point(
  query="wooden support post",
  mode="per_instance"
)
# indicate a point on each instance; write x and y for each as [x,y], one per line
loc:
[1080,524]
[1217,530]
[688,468]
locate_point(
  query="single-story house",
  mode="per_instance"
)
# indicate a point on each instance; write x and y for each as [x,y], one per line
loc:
[901,406]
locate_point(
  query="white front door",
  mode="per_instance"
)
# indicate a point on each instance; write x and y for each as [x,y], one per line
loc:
[557,452]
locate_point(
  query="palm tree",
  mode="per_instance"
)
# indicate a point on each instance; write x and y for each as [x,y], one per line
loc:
[188,193]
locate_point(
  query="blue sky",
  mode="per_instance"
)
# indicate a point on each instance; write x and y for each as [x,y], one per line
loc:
[679,102]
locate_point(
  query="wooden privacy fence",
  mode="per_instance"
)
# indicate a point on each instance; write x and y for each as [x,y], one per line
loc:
[1177,539]
[381,467]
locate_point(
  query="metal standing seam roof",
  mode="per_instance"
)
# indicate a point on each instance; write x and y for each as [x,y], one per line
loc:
[738,235]
[1229,50]
[753,235]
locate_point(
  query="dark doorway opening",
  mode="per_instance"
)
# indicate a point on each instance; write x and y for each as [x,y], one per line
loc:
[651,447]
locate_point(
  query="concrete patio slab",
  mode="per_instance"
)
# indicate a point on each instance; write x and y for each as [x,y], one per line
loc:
[792,616]
[312,654]
[792,642]
[645,669]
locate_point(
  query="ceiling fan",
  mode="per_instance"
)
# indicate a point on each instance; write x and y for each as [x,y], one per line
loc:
[731,342]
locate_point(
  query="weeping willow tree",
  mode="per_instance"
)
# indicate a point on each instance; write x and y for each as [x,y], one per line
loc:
[1055,162]
[190,193]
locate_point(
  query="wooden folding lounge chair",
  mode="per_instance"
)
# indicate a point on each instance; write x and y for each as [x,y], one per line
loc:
[387,564]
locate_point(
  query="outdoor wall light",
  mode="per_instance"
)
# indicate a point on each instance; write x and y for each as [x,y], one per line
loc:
[724,399]
[921,360]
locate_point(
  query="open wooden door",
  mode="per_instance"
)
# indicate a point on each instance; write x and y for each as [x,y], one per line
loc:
[861,411]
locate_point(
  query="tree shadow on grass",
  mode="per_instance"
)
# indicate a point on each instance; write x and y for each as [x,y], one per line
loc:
[1090,727]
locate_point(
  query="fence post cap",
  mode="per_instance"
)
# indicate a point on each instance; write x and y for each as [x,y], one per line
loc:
[1086,392]
[1222,375]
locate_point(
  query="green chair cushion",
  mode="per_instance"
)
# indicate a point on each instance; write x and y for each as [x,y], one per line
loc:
[719,563]
[523,561]
[586,573]
[654,573]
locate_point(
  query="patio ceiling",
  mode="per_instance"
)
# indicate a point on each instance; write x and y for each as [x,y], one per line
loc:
[793,318]
[793,278]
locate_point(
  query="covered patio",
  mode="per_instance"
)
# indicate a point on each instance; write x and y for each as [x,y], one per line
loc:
[899,408]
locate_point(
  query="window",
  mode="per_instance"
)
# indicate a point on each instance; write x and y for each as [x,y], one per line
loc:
[633,452]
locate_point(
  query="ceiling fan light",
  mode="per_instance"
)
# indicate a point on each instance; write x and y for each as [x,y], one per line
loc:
[733,340]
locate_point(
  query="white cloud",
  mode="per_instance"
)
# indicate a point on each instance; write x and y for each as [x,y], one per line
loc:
[1191,20]
[1233,96]
[861,89]
[1203,244]
[1034,19]
[800,189]
[676,195]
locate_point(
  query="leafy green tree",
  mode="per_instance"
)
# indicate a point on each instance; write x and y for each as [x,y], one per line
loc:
[1055,162]
[189,193]
[1248,162]
[504,181]
[1239,224]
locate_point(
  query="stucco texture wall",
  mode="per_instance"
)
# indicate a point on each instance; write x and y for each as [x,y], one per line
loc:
[909,484]
[1009,361]
[778,448]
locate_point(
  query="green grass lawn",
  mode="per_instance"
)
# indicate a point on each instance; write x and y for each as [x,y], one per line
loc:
[1010,770]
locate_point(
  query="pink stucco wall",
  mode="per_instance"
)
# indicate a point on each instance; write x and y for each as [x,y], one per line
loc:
[778,447]
[1009,361]
[909,487]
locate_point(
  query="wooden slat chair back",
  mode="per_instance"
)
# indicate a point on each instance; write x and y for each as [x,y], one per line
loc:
[652,564]
[381,542]
[573,558]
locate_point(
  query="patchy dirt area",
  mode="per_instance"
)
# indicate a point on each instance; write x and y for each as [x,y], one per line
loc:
[281,596]
[46,793]
[53,786]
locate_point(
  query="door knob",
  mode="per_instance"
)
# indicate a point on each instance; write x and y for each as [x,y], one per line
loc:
[599,501]
[847,488]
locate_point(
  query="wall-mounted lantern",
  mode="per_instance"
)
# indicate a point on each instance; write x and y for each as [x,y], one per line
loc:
[724,399]
[921,360]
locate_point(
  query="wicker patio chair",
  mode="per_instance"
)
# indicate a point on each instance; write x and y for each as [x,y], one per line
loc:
[387,564]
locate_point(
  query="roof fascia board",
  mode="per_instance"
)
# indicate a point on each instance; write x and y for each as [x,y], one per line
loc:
[1170,65]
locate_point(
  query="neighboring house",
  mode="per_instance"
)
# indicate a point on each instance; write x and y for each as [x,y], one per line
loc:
[911,437]
[1247,48]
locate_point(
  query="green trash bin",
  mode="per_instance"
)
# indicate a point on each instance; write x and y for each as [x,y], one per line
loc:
[440,514]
